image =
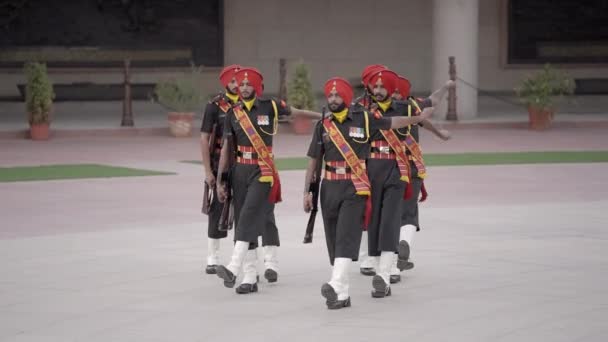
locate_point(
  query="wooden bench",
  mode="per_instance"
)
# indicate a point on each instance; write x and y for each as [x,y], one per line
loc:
[89,91]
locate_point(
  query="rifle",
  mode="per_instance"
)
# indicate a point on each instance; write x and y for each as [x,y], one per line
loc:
[368,99]
[208,191]
[314,189]
[227,216]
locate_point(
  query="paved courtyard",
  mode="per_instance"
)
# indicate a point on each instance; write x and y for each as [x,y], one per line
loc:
[507,253]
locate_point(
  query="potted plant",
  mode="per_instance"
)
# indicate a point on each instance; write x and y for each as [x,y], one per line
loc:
[539,92]
[300,96]
[39,97]
[181,96]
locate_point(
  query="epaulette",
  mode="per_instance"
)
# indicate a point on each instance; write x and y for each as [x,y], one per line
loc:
[357,110]
[359,99]
[357,106]
[265,99]
[276,100]
[217,98]
[400,105]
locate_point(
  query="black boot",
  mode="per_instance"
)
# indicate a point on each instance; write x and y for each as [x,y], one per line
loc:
[271,275]
[331,297]
[395,278]
[211,269]
[403,262]
[338,304]
[381,289]
[224,273]
[247,288]
[368,271]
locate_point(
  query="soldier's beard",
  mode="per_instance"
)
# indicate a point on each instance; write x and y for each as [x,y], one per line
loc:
[232,91]
[251,96]
[336,108]
[380,97]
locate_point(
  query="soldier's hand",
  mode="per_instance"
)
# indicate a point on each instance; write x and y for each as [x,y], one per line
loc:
[373,107]
[221,193]
[210,179]
[426,113]
[307,202]
[445,135]
[450,84]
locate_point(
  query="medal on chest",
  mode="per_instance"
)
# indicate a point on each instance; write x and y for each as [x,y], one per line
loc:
[356,132]
[263,120]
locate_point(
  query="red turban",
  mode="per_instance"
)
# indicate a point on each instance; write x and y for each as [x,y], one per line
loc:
[227,74]
[254,77]
[370,70]
[342,87]
[403,87]
[389,80]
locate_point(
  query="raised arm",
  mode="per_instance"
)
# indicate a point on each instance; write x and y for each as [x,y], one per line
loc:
[306,113]
[403,121]
[442,134]
[438,94]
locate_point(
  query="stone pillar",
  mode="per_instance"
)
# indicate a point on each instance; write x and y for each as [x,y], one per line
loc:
[455,33]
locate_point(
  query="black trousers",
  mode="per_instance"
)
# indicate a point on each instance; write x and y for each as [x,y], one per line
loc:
[343,212]
[409,214]
[387,198]
[253,213]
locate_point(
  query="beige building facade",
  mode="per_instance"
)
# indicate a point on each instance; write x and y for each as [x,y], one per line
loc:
[340,37]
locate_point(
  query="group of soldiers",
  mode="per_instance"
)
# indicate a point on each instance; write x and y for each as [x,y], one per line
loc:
[372,178]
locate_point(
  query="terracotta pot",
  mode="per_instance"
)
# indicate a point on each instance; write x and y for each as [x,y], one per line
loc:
[540,118]
[180,124]
[301,125]
[39,131]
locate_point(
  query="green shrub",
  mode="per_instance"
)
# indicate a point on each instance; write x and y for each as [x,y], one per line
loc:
[541,89]
[181,94]
[300,90]
[39,93]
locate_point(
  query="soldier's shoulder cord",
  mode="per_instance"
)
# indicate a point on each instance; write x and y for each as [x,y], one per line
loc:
[412,100]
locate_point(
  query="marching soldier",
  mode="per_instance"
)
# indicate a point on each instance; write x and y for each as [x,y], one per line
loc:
[409,214]
[213,127]
[252,124]
[343,141]
[368,264]
[388,170]
[399,92]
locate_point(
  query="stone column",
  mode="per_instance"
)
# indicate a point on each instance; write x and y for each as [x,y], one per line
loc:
[455,33]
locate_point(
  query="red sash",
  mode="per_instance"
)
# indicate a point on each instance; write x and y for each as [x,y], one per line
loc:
[414,148]
[265,158]
[224,105]
[359,175]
